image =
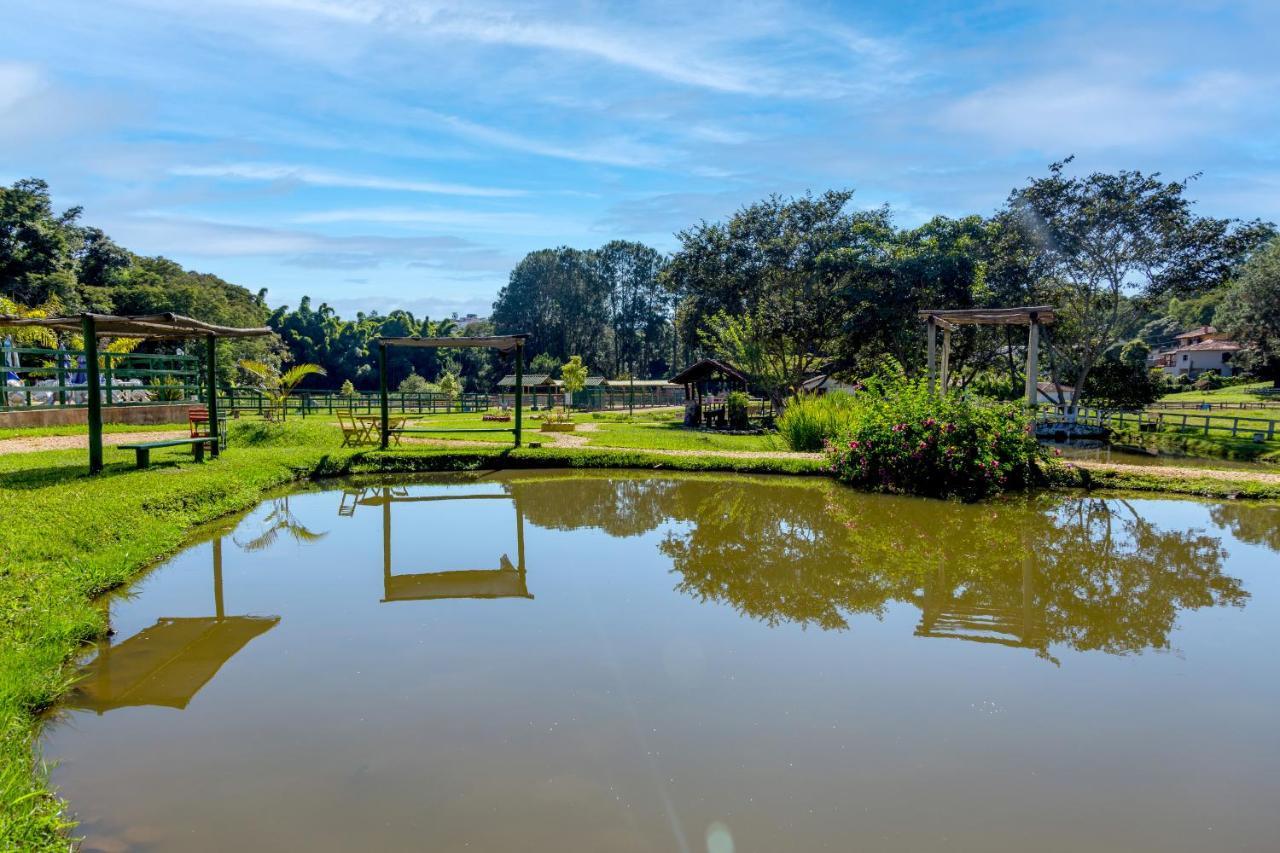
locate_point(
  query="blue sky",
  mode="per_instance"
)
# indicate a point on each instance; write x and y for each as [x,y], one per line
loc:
[384,153]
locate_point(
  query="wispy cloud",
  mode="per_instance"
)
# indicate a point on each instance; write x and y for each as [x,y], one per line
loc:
[325,178]
[616,151]
[1105,105]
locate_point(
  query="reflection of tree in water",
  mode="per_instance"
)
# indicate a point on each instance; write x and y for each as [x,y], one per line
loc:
[620,505]
[277,520]
[1257,524]
[1081,572]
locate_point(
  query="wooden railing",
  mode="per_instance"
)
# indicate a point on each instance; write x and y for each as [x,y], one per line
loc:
[1233,425]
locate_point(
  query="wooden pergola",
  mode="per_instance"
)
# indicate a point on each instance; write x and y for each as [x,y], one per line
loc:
[146,326]
[502,343]
[1033,316]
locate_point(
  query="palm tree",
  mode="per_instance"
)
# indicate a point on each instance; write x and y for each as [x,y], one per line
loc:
[278,386]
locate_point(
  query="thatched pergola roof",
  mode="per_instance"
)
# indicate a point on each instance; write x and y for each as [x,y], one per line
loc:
[167,325]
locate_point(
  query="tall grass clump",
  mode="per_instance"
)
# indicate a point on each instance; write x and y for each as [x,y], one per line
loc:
[810,421]
[901,438]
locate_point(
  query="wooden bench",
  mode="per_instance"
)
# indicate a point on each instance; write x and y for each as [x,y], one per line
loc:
[143,449]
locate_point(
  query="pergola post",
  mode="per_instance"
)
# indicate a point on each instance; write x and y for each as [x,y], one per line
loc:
[211,357]
[945,373]
[93,397]
[383,403]
[519,388]
[1033,360]
[932,348]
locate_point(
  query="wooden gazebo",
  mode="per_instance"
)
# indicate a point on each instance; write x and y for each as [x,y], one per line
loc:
[949,320]
[695,377]
[148,327]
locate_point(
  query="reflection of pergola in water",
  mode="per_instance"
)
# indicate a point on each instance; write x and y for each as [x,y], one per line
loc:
[1005,623]
[506,581]
[169,662]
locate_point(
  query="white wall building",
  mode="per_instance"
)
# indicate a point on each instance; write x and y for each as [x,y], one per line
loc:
[1197,351]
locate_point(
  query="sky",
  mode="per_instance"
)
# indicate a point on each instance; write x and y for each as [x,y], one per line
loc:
[376,154]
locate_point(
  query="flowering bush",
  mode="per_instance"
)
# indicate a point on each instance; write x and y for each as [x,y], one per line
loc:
[900,438]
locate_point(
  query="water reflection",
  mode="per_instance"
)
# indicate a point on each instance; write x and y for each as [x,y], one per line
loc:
[1083,572]
[167,663]
[506,581]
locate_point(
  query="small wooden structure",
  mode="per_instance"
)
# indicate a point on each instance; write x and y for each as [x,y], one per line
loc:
[502,343]
[695,377]
[167,664]
[506,581]
[148,326]
[949,320]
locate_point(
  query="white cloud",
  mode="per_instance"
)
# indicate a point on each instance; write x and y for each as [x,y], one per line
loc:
[325,178]
[611,152]
[1104,106]
[504,222]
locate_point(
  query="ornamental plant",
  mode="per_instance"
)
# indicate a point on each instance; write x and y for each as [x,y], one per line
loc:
[900,438]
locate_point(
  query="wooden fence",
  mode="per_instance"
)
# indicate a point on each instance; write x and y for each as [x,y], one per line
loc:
[1233,425]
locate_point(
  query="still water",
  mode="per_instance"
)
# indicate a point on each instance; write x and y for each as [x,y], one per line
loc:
[613,662]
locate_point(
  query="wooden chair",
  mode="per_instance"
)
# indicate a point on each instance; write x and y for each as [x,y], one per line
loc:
[353,432]
[198,421]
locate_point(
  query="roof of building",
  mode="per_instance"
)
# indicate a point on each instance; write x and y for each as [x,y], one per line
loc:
[640,383]
[530,379]
[1195,333]
[824,381]
[704,369]
[1211,346]
[1050,390]
[594,381]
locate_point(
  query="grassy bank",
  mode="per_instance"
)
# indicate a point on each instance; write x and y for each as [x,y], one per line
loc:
[69,537]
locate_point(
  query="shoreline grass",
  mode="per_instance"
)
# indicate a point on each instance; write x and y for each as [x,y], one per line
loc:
[71,537]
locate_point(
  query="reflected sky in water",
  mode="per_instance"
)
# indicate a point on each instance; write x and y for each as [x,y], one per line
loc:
[549,661]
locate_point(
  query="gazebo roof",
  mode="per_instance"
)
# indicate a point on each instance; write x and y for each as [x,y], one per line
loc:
[167,325]
[990,316]
[704,369]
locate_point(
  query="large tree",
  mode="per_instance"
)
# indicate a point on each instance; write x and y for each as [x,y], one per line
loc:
[1103,241]
[1251,313]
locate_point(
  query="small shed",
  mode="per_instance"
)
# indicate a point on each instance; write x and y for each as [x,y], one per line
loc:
[708,376]
[825,383]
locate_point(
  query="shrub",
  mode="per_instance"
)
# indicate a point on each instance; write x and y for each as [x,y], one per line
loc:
[1208,381]
[736,407]
[809,421]
[900,438]
[347,389]
[415,384]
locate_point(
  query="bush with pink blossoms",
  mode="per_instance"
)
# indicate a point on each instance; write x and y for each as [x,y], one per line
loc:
[900,438]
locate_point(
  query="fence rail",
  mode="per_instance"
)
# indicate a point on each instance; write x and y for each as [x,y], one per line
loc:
[1233,425]
[38,378]
[240,400]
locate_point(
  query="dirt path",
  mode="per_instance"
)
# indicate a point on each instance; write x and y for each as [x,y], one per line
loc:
[1230,475]
[71,442]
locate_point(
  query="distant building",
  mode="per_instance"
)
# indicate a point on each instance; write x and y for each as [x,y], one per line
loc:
[825,383]
[1047,392]
[1197,351]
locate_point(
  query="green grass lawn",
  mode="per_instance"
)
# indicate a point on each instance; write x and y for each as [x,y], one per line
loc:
[673,436]
[1233,394]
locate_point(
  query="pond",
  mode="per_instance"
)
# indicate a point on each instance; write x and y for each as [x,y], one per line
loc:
[554,661]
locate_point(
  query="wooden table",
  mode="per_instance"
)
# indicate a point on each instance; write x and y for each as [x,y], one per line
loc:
[373,423]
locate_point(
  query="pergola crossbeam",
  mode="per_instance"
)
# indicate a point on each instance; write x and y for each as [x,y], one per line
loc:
[950,319]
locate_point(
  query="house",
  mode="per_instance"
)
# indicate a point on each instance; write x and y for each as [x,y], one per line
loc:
[1047,392]
[1197,351]
[825,383]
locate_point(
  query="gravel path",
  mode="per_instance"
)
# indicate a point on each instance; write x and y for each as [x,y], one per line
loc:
[71,442]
